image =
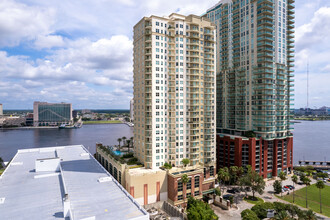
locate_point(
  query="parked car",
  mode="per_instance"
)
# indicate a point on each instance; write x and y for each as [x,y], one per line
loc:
[285,189]
[290,187]
[232,191]
[226,197]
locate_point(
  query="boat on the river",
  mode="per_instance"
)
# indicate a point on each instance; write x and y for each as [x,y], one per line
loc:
[66,126]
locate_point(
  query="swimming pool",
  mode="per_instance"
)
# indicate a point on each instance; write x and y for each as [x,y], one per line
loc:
[118,152]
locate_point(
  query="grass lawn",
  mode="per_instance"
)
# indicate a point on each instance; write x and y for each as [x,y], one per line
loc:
[249,200]
[313,198]
[1,171]
[103,122]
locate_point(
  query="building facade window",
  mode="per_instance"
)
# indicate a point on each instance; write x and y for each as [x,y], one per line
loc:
[212,171]
[189,184]
[196,193]
[196,181]
[180,186]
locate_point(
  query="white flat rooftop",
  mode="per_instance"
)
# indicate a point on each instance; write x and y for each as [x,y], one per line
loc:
[89,190]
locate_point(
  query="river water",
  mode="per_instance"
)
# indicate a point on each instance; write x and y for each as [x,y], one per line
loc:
[311,138]
[88,135]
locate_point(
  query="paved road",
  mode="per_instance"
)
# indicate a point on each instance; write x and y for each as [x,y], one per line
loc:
[268,196]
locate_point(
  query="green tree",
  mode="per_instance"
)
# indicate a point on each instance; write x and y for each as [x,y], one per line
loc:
[242,181]
[306,181]
[282,176]
[119,140]
[198,210]
[223,176]
[294,179]
[167,166]
[261,209]
[293,210]
[320,186]
[124,140]
[307,215]
[248,214]
[184,179]
[256,182]
[185,161]
[233,174]
[217,192]
[282,215]
[277,187]
[1,161]
[128,143]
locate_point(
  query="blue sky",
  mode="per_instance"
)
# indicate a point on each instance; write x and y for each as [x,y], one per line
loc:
[80,51]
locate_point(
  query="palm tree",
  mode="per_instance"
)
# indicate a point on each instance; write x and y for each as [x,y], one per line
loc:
[282,215]
[306,181]
[320,186]
[282,176]
[223,176]
[233,172]
[128,142]
[294,179]
[310,215]
[124,139]
[119,140]
[184,179]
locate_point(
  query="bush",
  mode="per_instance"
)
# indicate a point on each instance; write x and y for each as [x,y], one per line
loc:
[197,210]
[167,166]
[261,209]
[128,155]
[322,175]
[250,134]
[217,192]
[279,206]
[248,214]
[132,161]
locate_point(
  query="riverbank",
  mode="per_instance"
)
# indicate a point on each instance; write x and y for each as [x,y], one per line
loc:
[103,122]
[313,119]
[27,128]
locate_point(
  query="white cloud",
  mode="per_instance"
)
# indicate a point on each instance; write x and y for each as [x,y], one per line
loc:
[21,22]
[49,41]
[71,73]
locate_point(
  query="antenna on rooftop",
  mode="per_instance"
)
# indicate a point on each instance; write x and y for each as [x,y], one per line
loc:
[307,84]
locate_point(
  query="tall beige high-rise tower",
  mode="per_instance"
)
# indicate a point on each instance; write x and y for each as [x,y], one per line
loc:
[174,90]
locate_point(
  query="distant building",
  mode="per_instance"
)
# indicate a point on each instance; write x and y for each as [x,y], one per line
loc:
[51,114]
[1,109]
[86,111]
[12,121]
[29,119]
[323,111]
[74,113]
[63,182]
[131,109]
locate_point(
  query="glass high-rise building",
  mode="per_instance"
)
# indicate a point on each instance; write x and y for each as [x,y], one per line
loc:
[255,56]
[45,113]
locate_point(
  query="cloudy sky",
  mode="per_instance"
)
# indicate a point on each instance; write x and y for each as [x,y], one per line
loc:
[80,51]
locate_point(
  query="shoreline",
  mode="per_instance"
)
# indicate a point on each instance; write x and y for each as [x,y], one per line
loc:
[27,128]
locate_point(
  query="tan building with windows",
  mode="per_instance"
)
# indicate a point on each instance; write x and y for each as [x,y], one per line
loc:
[174,110]
[152,185]
[174,90]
